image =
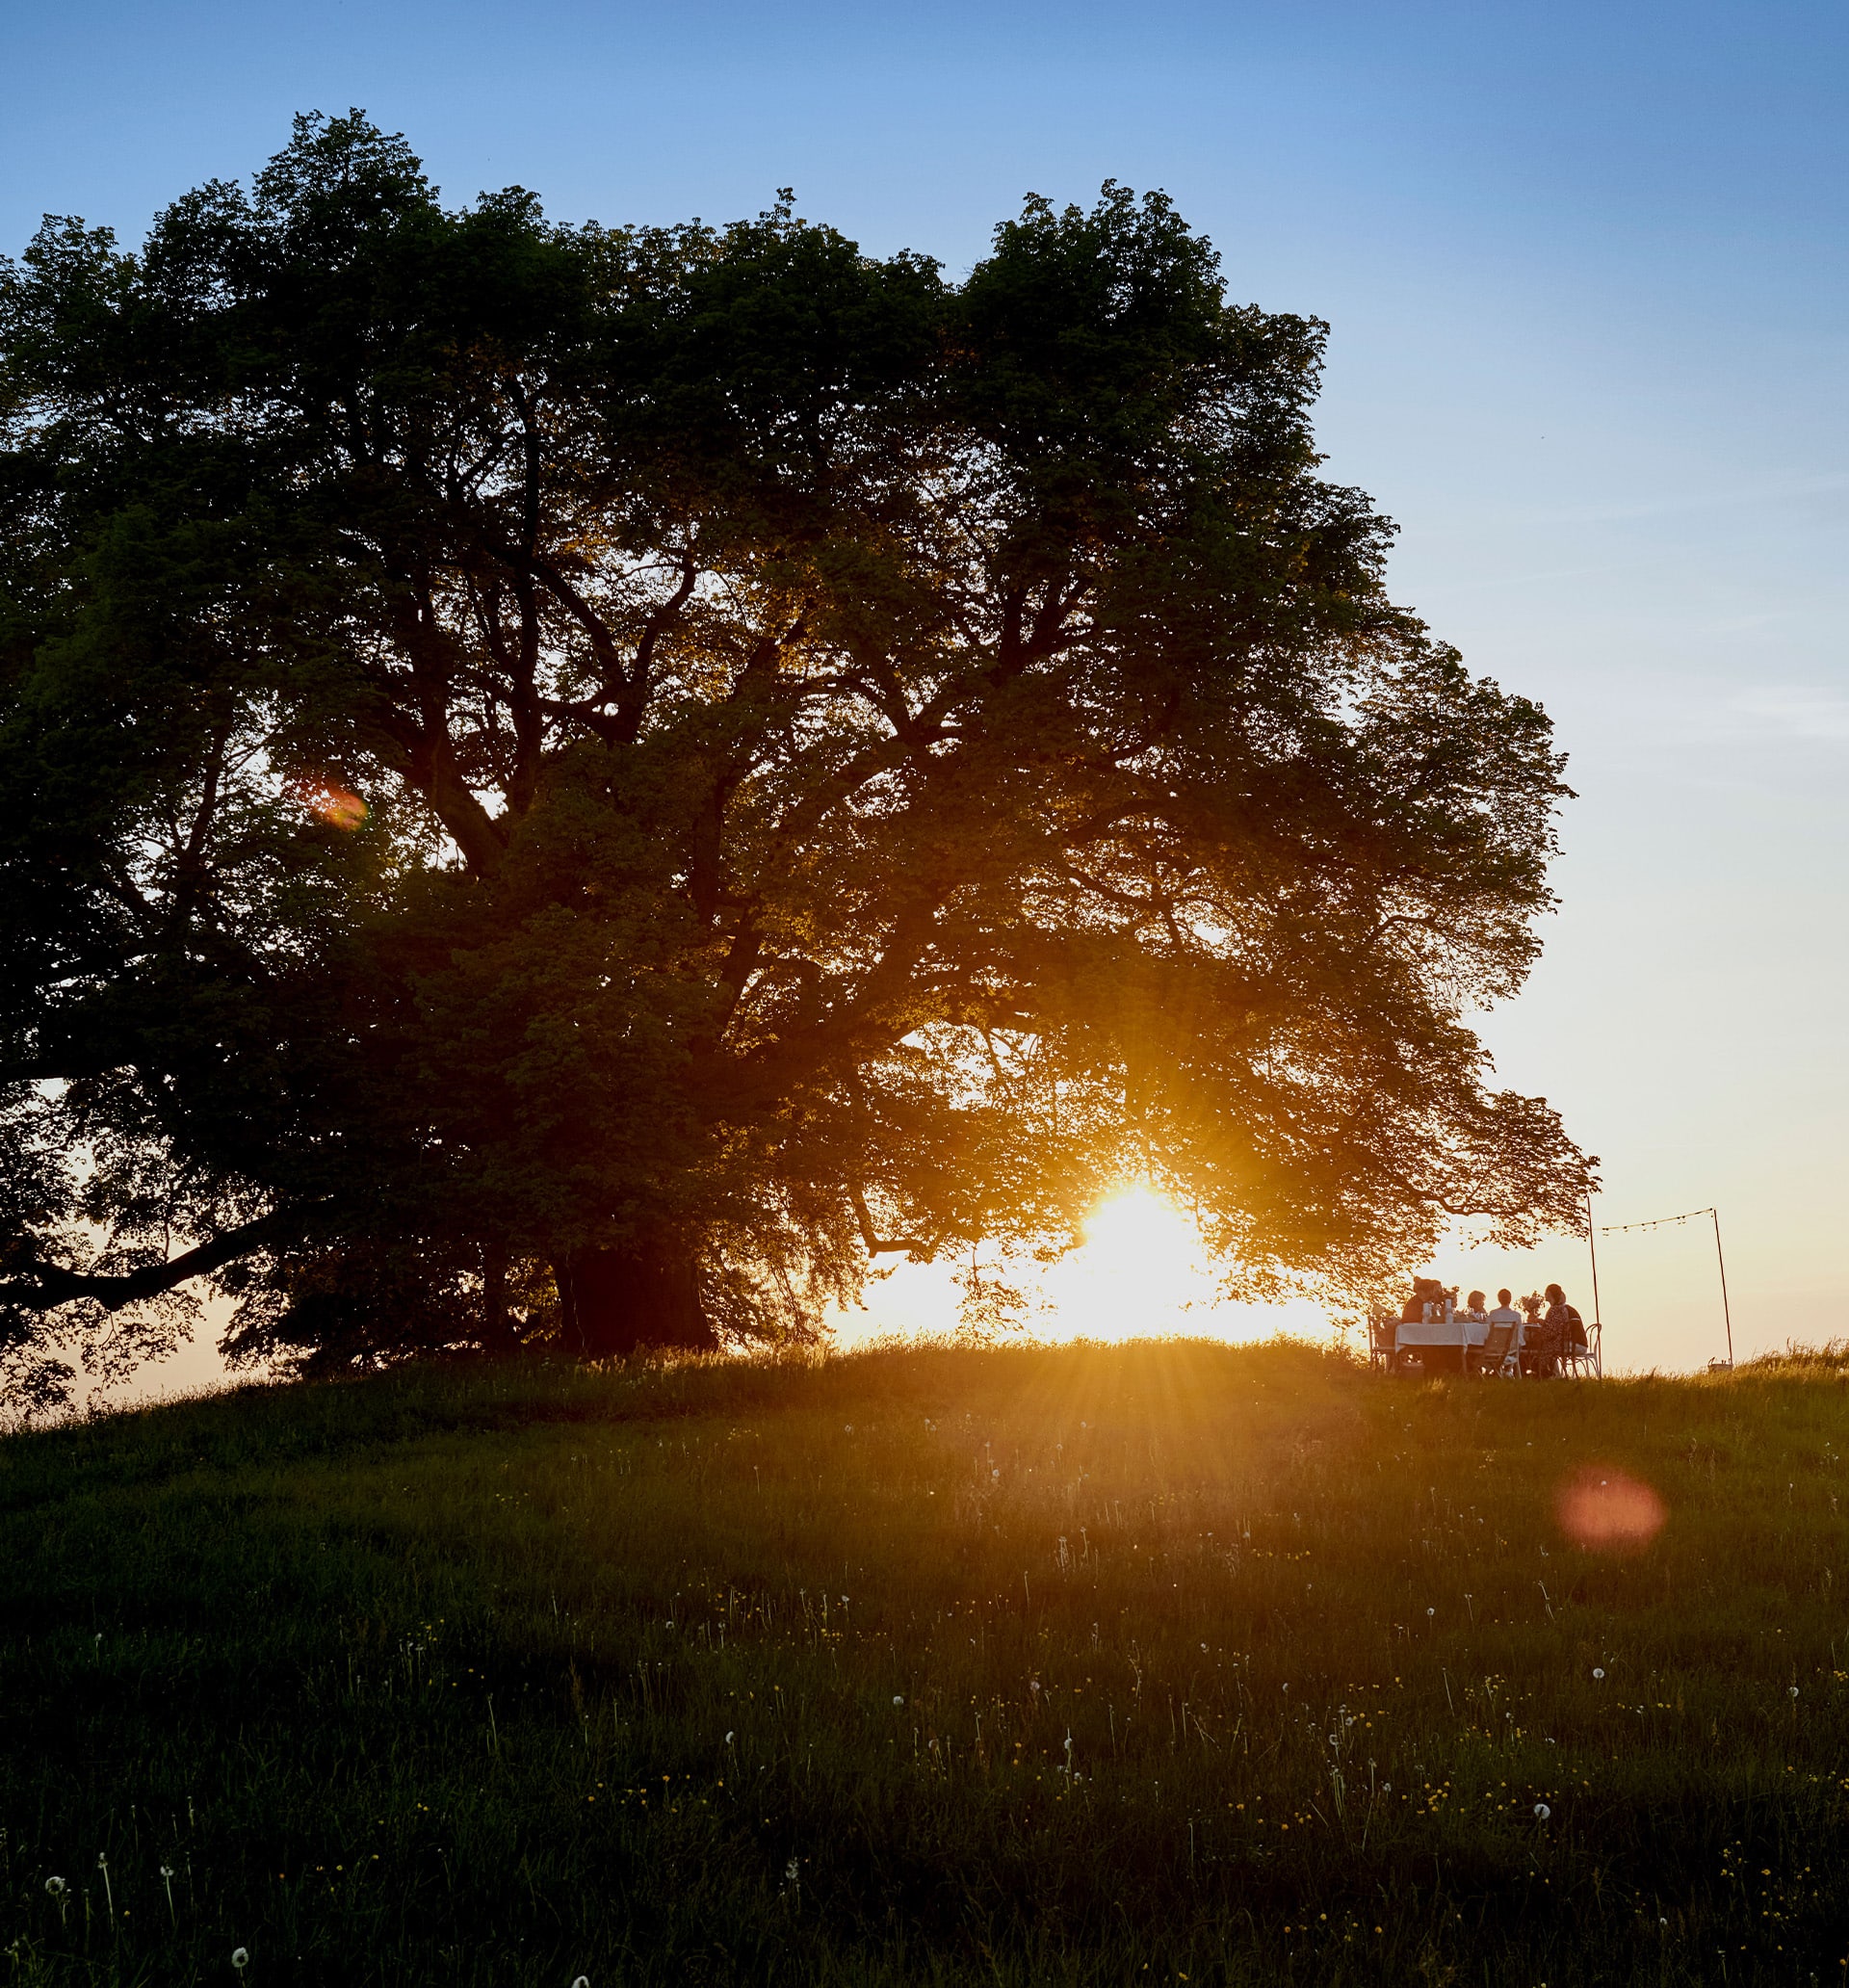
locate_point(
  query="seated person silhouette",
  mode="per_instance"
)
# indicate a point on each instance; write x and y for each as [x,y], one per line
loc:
[1428,1301]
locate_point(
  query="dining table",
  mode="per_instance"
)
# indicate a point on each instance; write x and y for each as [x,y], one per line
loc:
[1447,1338]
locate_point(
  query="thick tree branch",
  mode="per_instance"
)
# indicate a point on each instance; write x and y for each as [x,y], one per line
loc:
[44,1286]
[918,1247]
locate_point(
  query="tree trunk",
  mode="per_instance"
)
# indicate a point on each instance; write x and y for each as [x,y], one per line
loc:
[647,1293]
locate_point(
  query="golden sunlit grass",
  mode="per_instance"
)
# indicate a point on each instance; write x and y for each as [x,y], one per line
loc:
[1095,1665]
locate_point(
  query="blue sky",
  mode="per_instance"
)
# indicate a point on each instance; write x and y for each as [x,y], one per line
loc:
[1584,269]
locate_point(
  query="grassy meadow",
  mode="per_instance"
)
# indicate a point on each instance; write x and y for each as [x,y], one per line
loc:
[1080,1665]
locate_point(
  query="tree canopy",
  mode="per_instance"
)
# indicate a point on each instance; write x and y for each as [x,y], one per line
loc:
[592,782]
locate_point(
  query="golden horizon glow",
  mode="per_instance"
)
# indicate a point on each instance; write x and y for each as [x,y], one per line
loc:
[1141,1272]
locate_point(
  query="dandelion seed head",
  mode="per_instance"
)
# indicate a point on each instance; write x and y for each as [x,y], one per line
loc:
[57,1887]
[1598,1670]
[1793,1691]
[899,1698]
[240,1958]
[1542,1811]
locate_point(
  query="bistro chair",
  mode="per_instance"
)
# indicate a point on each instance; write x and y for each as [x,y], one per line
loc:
[1580,1360]
[1497,1354]
[1382,1339]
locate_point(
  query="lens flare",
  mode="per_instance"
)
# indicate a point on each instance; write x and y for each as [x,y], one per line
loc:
[1604,1510]
[327,800]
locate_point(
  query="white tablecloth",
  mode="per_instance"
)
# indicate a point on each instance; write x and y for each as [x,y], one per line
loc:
[1441,1332]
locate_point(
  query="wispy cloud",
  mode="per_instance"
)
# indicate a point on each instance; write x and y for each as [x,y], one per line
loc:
[1793,712]
[1822,493]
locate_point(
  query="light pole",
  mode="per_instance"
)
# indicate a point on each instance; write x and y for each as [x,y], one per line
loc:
[1598,1324]
[1722,1261]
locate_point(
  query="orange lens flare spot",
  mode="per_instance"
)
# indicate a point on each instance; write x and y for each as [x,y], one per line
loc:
[327,800]
[1604,1510]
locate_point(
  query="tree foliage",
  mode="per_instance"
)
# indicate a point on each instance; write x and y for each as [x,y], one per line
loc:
[598,780]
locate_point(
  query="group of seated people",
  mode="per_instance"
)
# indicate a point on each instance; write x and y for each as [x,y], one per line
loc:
[1547,1327]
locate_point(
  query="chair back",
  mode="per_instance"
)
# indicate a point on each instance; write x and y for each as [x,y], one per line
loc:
[1576,1357]
[1382,1339]
[1497,1345]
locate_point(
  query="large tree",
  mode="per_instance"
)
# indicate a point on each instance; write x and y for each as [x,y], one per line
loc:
[595,780]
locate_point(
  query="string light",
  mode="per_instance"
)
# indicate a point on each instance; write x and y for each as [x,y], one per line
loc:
[1675,1221]
[1662,1221]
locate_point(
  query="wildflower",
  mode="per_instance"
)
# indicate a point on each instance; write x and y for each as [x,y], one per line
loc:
[1542,1811]
[57,1887]
[847,1428]
[789,1871]
[1793,1691]
[240,1958]
[1598,1671]
[1431,1611]
[898,1698]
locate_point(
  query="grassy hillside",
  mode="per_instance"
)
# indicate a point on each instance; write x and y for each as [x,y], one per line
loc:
[1090,1665]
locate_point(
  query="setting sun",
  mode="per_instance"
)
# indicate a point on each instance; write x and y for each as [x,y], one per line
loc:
[1144,1273]
[1141,1270]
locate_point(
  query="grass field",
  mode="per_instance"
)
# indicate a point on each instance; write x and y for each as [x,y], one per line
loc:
[1151,1664]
